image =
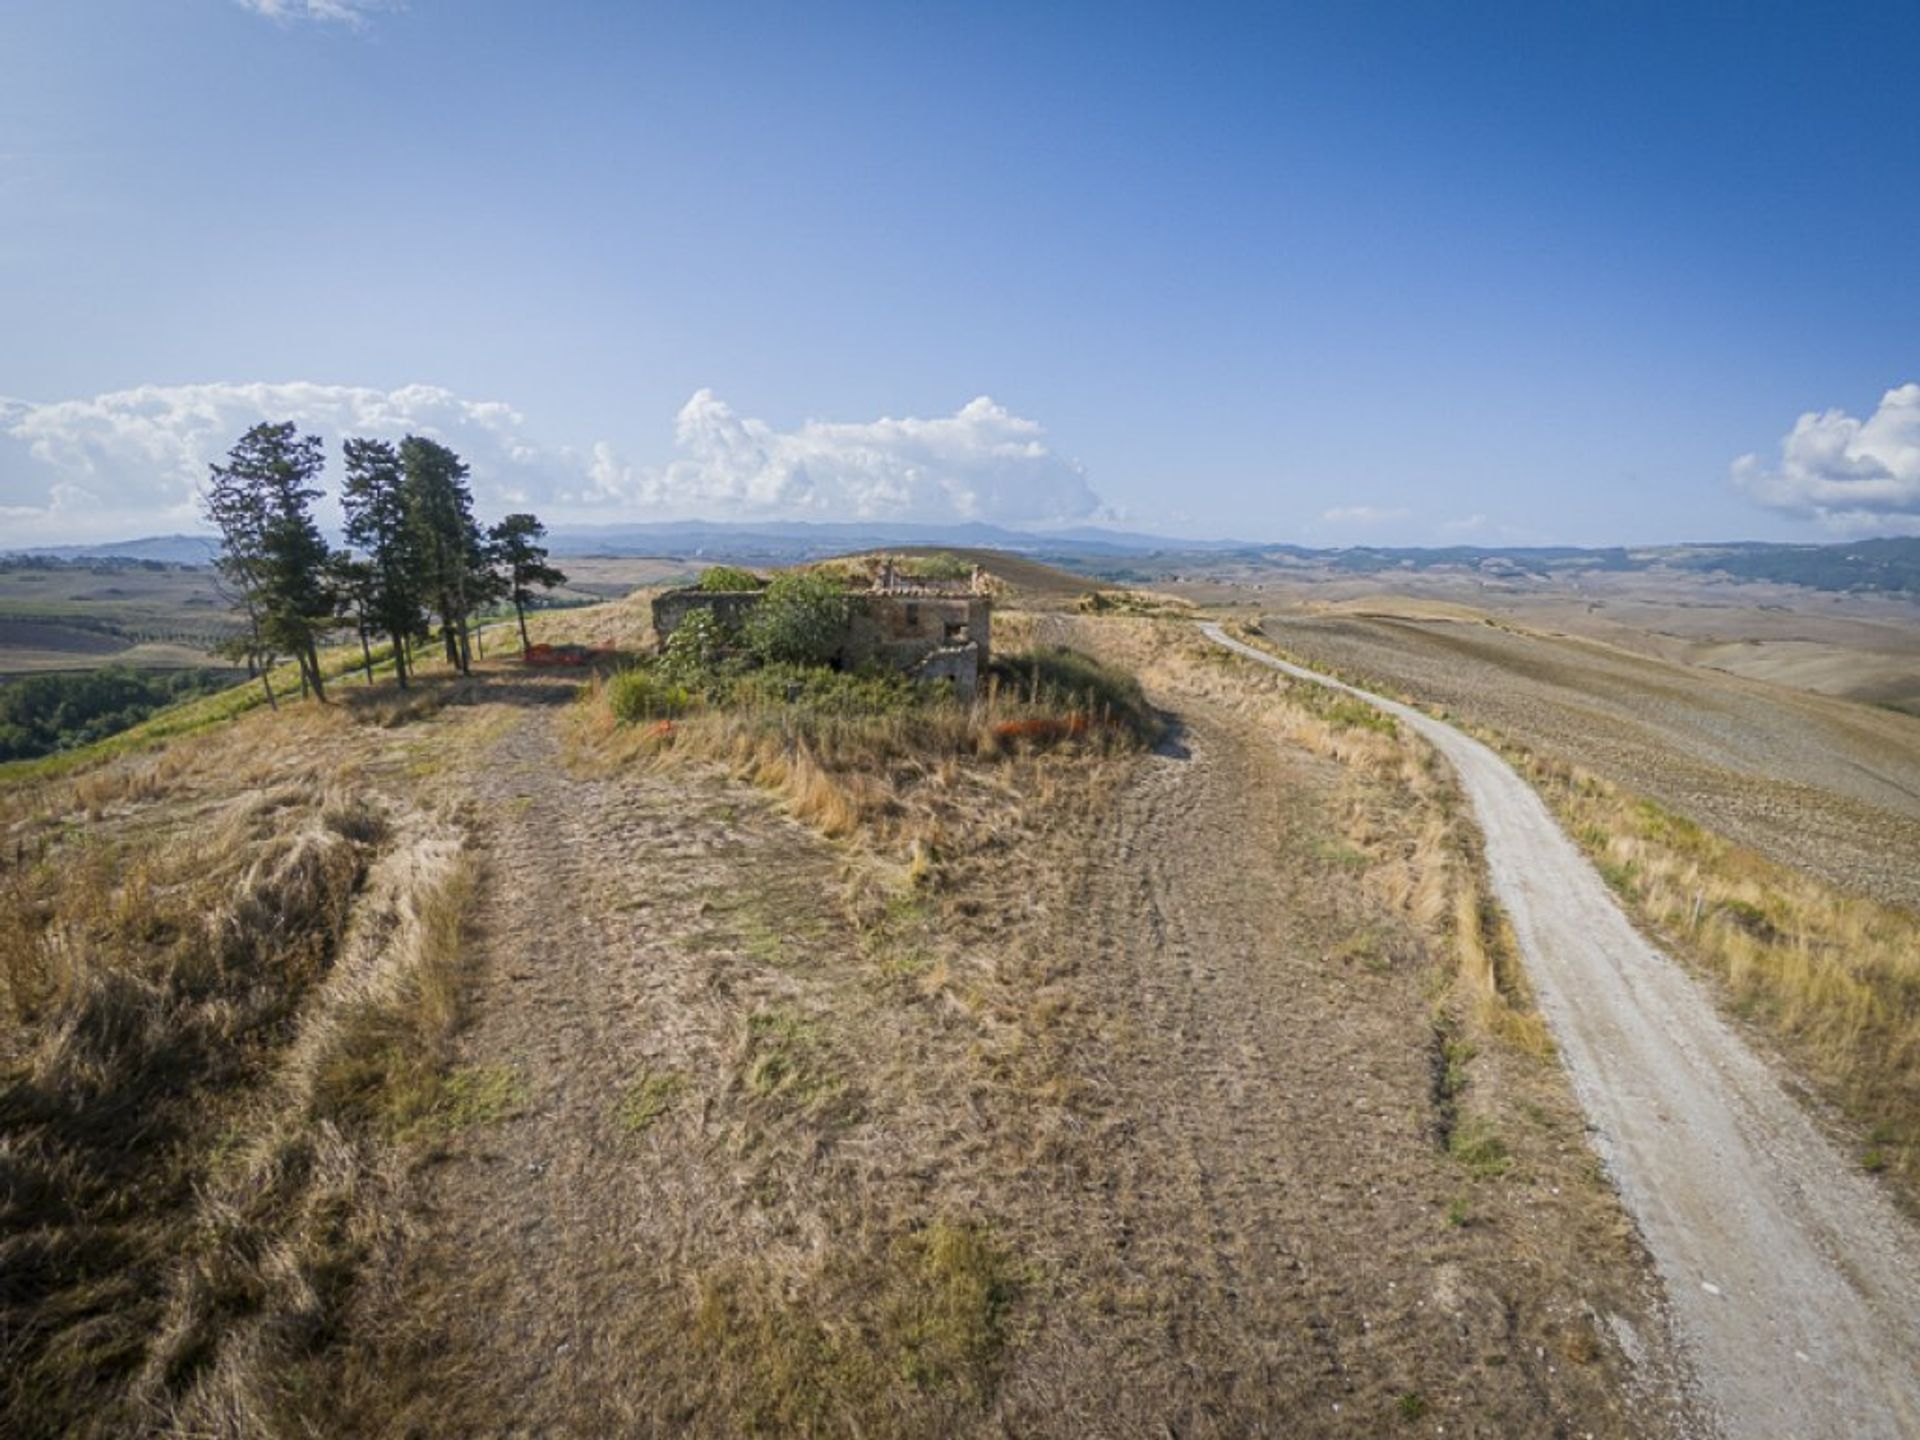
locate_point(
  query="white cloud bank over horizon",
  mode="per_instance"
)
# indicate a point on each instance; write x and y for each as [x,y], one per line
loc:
[1855,477]
[980,463]
[133,461]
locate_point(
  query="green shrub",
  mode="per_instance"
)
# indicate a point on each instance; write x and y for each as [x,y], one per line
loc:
[640,694]
[809,690]
[698,643]
[801,620]
[941,565]
[730,577]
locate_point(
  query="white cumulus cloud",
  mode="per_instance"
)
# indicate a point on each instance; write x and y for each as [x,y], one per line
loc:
[981,463]
[1854,476]
[129,460]
[135,461]
[351,13]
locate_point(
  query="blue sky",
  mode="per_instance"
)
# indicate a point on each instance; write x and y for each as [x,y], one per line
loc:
[1343,273]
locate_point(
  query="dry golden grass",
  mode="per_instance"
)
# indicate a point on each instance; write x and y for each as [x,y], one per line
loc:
[1834,977]
[1837,977]
[191,940]
[893,1338]
[879,775]
[882,1012]
[1402,811]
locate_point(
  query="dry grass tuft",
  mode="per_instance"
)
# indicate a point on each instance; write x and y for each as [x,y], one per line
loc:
[182,1214]
[899,1336]
[1836,976]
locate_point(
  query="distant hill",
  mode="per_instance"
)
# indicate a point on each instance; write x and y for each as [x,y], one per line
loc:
[167,549]
[1890,566]
[812,540]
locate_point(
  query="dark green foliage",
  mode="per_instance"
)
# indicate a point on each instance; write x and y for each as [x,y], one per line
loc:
[453,567]
[374,498]
[730,577]
[522,562]
[698,644]
[801,620]
[809,690]
[272,551]
[46,713]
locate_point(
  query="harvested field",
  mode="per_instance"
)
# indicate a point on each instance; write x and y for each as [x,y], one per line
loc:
[1826,785]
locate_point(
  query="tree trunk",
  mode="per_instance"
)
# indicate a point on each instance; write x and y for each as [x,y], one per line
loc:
[313,669]
[520,614]
[480,638]
[366,653]
[266,683]
[466,649]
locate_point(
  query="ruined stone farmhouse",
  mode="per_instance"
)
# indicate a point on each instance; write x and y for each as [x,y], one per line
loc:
[929,629]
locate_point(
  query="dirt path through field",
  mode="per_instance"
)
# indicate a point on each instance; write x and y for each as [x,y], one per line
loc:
[1795,1282]
[1166,1054]
[1269,1188]
[588,1171]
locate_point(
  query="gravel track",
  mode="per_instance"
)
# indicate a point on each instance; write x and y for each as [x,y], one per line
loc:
[1823,785]
[1794,1281]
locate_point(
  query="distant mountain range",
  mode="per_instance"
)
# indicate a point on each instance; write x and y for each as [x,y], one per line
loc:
[1886,565]
[166,549]
[801,539]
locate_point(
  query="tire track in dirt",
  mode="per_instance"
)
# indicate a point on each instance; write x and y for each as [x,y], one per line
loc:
[1795,1282]
[548,1239]
[1205,1138]
[1268,1179]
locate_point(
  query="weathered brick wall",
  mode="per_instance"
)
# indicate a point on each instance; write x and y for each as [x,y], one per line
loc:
[729,607]
[959,664]
[899,629]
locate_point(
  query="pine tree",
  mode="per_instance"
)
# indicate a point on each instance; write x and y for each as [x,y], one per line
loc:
[234,505]
[374,497]
[523,564]
[449,551]
[262,501]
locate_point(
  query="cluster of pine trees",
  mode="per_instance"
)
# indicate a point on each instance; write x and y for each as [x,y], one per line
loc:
[416,559]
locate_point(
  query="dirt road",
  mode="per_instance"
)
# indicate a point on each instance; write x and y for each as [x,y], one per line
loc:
[1826,786]
[1795,1283]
